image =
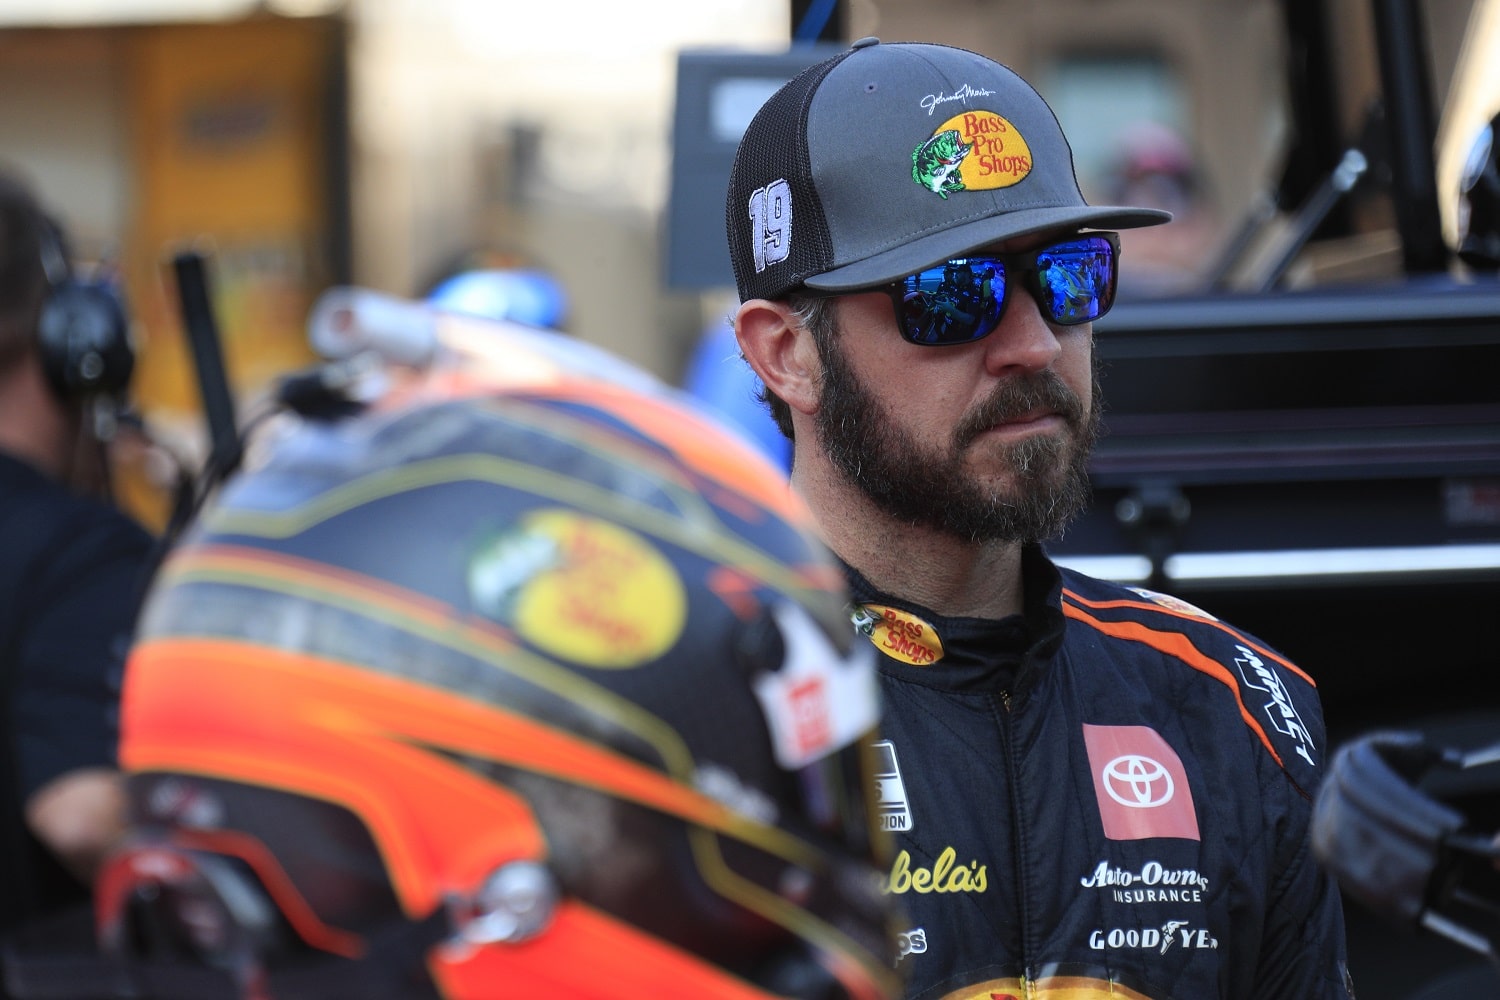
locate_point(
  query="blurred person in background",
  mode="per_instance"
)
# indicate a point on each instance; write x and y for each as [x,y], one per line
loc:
[71,567]
[516,294]
[495,284]
[1154,167]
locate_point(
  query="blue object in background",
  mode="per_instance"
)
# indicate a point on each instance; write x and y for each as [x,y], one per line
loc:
[520,295]
[718,376]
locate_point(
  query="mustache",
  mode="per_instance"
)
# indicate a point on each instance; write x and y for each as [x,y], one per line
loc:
[1041,390]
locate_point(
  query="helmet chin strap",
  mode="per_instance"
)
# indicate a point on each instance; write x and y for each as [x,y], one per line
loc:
[394,966]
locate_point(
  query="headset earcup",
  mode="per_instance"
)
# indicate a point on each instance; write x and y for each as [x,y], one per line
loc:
[84,339]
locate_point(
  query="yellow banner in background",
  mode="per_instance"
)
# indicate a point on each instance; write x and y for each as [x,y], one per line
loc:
[231,141]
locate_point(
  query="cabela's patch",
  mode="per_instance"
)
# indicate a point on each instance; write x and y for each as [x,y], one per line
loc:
[580,589]
[972,151]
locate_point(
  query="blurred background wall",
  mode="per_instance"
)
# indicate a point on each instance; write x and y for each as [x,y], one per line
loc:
[305,143]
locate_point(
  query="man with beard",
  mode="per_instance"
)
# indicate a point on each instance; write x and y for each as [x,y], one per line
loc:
[1094,790]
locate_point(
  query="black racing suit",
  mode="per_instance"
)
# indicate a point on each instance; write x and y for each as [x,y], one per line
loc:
[71,574]
[1106,796]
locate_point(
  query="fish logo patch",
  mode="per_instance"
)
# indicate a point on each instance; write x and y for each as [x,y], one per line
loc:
[972,151]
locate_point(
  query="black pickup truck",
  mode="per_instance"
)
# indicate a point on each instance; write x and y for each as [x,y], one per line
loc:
[1320,463]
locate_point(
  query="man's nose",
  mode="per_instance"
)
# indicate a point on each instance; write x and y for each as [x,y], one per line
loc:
[1024,341]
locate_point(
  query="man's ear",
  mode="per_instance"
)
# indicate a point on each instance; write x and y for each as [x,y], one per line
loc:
[781,352]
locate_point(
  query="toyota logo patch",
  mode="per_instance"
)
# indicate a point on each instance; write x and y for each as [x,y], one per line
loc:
[1139,783]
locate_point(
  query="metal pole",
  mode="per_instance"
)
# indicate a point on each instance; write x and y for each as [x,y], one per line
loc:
[1407,83]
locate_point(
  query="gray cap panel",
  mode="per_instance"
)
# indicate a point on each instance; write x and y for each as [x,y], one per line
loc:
[917,152]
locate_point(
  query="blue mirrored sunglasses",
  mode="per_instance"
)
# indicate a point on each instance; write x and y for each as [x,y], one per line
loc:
[962,300]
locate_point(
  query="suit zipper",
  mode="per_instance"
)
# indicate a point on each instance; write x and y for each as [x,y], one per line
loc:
[1018,839]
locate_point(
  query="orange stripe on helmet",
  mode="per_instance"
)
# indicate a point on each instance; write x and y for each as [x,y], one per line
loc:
[698,442]
[252,715]
[366,741]
[360,588]
[491,643]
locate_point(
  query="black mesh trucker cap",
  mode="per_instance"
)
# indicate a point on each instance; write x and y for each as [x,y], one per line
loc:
[890,158]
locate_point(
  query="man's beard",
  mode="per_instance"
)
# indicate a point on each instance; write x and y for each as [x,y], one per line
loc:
[933,488]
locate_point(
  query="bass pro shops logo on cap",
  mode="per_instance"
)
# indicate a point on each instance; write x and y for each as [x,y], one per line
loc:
[973,151]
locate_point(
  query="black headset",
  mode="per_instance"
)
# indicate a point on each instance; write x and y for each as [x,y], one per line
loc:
[82,331]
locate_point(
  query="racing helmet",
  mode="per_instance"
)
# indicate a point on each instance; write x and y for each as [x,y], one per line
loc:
[543,692]
[1479,201]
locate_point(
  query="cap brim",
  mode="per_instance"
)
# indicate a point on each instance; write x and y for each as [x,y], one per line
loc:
[916,255]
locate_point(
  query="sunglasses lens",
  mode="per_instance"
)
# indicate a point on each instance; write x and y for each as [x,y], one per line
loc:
[961,301]
[953,303]
[1077,279]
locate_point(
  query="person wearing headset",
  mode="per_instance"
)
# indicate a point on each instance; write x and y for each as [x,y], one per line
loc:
[70,569]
